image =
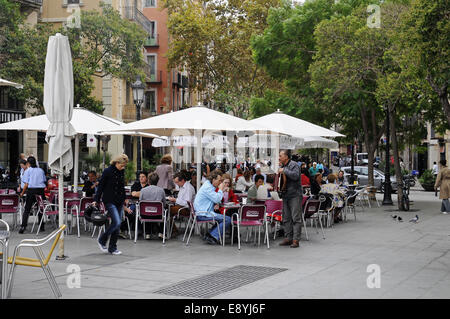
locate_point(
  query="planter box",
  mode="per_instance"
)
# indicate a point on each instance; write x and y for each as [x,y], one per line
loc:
[428,187]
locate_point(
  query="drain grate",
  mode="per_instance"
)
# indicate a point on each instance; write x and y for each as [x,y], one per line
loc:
[219,282]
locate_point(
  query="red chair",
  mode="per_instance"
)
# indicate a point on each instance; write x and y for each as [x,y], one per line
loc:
[194,222]
[250,216]
[9,204]
[150,212]
[71,203]
[274,210]
[311,211]
[3,191]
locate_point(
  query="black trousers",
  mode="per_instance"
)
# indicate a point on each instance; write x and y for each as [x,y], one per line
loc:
[31,199]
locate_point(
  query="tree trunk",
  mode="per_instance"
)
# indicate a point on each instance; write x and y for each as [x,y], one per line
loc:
[398,171]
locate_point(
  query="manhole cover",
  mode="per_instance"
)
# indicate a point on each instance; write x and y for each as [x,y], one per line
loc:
[219,282]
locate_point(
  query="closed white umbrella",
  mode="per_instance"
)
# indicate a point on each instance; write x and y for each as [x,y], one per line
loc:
[58,105]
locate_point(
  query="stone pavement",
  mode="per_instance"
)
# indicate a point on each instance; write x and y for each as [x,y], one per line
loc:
[414,261]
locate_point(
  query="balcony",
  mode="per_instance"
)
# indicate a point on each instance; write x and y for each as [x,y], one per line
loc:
[152,77]
[152,41]
[133,13]
[184,82]
[33,3]
[129,113]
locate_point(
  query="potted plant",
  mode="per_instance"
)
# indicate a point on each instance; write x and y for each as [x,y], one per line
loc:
[427,180]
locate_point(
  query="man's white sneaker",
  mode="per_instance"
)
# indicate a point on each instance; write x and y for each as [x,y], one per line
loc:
[445,213]
[116,252]
[103,248]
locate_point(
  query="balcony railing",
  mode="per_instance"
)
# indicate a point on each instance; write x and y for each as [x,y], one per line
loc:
[152,77]
[129,113]
[152,41]
[33,3]
[133,13]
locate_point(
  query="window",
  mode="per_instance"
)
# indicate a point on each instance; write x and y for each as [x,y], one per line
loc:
[73,1]
[149,4]
[151,60]
[150,101]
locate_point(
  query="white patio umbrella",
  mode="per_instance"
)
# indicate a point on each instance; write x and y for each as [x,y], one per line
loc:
[4,82]
[197,119]
[292,126]
[83,121]
[319,142]
[58,105]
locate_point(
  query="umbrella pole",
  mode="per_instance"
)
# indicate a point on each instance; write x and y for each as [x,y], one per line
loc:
[75,167]
[277,153]
[198,150]
[61,212]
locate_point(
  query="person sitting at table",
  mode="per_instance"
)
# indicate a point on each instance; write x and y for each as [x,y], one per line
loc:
[244,182]
[258,172]
[316,184]
[338,195]
[240,173]
[340,178]
[313,170]
[154,193]
[252,194]
[186,193]
[131,211]
[90,187]
[206,201]
[264,192]
[305,180]
[228,195]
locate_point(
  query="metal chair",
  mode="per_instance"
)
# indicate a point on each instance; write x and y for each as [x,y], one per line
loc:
[177,216]
[79,211]
[326,207]
[350,205]
[250,216]
[9,204]
[41,261]
[274,211]
[150,212]
[4,239]
[310,212]
[46,210]
[194,222]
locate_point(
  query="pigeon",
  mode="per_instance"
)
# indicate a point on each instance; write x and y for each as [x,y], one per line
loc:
[394,216]
[399,219]
[415,219]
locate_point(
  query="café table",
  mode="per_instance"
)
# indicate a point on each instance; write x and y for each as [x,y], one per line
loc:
[228,206]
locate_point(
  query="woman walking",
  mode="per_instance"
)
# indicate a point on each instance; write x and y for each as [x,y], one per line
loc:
[443,181]
[34,182]
[111,191]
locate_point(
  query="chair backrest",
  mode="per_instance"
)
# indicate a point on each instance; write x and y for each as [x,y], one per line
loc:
[273,206]
[326,201]
[56,233]
[70,195]
[9,203]
[312,206]
[85,202]
[191,208]
[3,191]
[253,212]
[351,198]
[40,202]
[12,191]
[151,209]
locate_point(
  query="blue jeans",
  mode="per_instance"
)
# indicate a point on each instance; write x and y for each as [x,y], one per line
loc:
[218,217]
[115,213]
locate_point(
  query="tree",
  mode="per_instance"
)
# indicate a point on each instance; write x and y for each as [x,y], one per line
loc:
[105,45]
[427,28]
[210,39]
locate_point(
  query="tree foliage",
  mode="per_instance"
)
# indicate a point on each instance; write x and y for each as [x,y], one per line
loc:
[210,39]
[105,44]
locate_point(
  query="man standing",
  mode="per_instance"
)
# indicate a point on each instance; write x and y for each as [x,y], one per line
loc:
[435,170]
[292,199]
[90,187]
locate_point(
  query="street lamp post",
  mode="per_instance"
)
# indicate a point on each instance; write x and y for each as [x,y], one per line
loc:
[387,200]
[138,98]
